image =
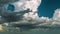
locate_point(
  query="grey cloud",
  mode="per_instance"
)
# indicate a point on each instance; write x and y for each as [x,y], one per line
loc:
[30,19]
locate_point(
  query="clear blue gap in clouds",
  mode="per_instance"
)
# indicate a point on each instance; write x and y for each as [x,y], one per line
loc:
[11,7]
[47,8]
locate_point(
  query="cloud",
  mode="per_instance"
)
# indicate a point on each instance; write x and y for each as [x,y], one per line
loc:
[21,6]
[54,21]
[56,17]
[2,2]
[30,16]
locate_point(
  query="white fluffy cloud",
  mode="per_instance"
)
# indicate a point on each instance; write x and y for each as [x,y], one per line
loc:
[32,17]
[56,17]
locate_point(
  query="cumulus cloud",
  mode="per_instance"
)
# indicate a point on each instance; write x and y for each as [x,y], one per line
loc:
[30,16]
[56,16]
[44,21]
[21,6]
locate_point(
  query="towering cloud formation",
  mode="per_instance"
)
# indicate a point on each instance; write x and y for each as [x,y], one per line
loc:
[21,6]
[32,16]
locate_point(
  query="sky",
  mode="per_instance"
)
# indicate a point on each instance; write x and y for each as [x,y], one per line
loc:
[47,8]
